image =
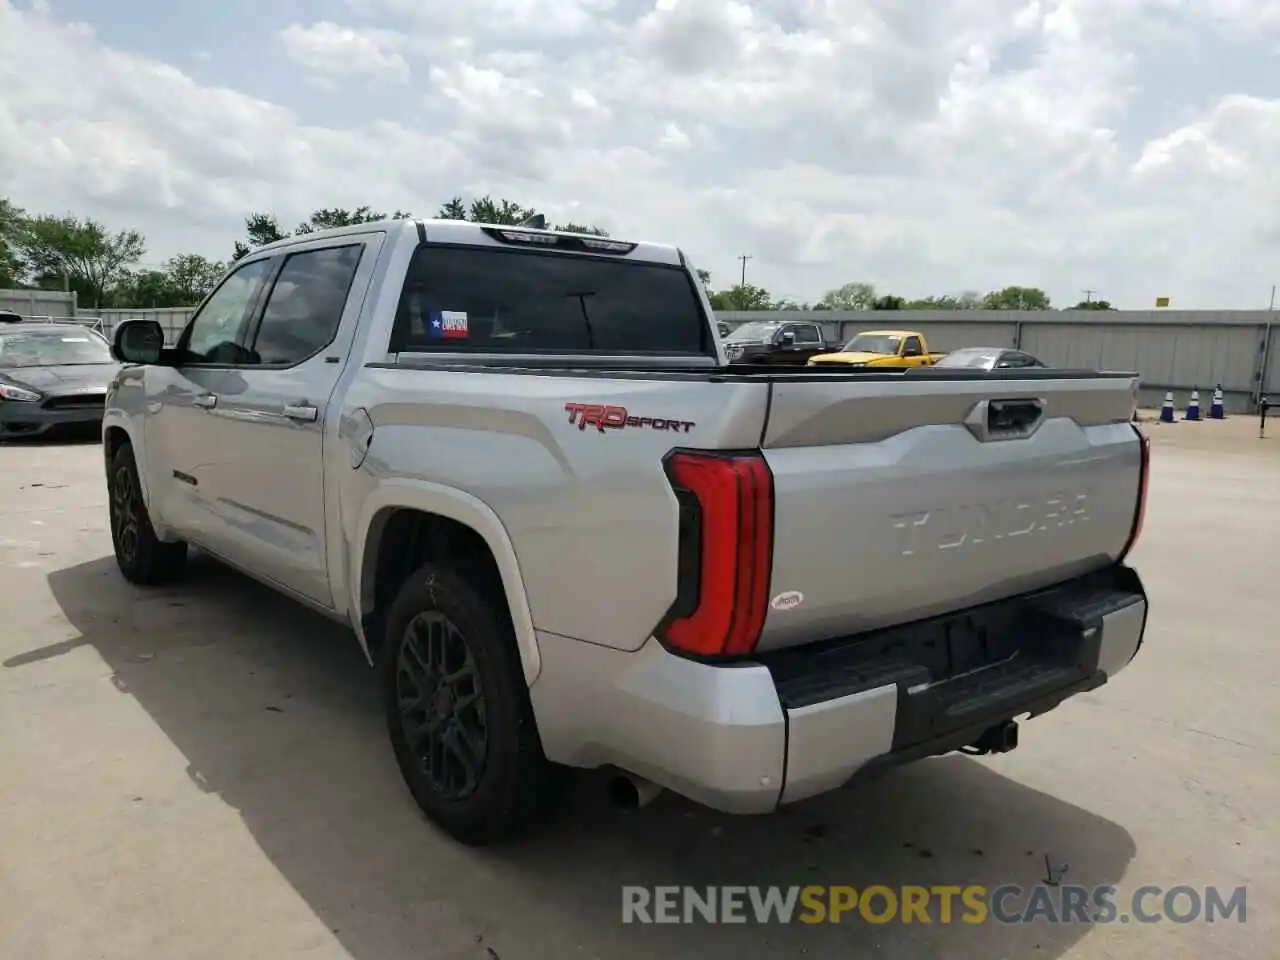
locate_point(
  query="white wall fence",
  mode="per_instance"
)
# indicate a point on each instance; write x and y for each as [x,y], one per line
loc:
[38,303]
[171,319]
[1170,349]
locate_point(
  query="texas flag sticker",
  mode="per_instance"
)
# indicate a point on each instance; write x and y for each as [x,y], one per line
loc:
[447,325]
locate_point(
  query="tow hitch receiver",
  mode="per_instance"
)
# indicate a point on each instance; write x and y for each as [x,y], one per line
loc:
[1001,738]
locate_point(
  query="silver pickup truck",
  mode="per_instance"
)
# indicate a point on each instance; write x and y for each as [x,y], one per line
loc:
[568,534]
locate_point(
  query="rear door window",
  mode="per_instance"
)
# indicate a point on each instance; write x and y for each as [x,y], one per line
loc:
[305,304]
[480,299]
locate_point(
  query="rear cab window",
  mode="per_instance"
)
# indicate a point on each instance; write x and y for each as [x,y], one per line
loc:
[481,299]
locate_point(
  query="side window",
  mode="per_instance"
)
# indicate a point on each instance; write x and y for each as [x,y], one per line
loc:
[305,305]
[912,347]
[809,334]
[214,335]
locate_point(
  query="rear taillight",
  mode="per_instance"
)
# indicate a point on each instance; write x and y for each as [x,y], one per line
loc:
[1144,481]
[725,552]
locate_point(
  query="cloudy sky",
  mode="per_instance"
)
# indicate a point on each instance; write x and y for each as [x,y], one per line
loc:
[1130,147]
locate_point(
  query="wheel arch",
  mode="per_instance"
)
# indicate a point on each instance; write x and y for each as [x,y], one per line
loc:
[116,433]
[378,517]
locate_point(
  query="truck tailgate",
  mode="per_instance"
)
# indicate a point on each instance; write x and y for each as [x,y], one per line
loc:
[908,497]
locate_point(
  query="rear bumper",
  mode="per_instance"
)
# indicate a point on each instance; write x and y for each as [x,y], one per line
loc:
[21,419]
[747,737]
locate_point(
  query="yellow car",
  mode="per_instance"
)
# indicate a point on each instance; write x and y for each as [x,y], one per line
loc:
[881,348]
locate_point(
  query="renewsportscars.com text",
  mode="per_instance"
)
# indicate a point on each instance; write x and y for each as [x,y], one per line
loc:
[933,904]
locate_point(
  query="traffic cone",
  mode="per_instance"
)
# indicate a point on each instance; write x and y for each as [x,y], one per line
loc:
[1217,409]
[1166,411]
[1193,408]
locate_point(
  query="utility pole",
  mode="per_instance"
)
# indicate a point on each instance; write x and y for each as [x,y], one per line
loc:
[1272,304]
[1088,295]
[744,258]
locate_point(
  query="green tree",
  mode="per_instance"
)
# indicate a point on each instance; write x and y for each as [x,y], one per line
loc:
[185,280]
[572,227]
[1093,305]
[742,297]
[261,229]
[191,277]
[143,289]
[888,302]
[969,300]
[704,278]
[327,219]
[503,212]
[80,254]
[11,220]
[1017,298]
[455,209]
[850,296]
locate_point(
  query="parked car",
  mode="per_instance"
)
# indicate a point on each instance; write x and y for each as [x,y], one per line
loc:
[52,376]
[882,348]
[775,342]
[568,535]
[989,358]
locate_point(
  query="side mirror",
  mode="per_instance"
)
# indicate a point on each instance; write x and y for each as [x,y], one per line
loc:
[788,339]
[138,341]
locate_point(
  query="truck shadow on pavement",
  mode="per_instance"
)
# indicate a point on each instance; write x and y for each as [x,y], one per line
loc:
[275,711]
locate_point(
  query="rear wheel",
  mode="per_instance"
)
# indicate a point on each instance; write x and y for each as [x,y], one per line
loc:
[458,712]
[141,556]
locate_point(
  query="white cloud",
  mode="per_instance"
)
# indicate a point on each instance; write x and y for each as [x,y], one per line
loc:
[328,52]
[673,138]
[991,142]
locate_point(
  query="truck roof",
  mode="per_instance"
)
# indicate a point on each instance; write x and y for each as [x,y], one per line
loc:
[471,233]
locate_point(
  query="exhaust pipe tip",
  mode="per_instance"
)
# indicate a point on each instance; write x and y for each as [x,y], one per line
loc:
[627,792]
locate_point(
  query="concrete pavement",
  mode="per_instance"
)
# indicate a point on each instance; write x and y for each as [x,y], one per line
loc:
[201,772]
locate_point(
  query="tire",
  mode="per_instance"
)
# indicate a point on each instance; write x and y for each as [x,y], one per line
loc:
[142,557]
[441,625]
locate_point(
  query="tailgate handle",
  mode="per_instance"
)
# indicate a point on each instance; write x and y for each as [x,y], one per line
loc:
[1005,419]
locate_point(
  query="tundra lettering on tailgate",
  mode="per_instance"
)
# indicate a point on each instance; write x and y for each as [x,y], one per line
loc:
[949,528]
[609,417]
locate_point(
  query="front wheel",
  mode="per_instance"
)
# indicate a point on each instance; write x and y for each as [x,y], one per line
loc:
[458,712]
[142,557]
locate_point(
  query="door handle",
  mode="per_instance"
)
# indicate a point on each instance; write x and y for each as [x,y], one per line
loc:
[300,411]
[207,400]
